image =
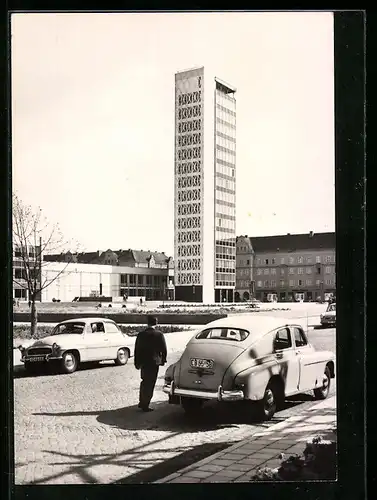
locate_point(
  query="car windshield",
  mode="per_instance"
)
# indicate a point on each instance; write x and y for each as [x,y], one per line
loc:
[234,334]
[76,327]
[332,307]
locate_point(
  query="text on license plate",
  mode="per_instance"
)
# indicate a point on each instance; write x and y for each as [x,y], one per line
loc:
[201,363]
[37,358]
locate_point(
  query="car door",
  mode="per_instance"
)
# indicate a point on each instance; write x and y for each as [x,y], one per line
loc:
[285,356]
[116,339]
[307,359]
[97,342]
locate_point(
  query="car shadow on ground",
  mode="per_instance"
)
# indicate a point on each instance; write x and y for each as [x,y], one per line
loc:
[45,371]
[172,418]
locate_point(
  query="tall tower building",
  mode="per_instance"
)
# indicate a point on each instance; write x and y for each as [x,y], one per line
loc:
[205,188]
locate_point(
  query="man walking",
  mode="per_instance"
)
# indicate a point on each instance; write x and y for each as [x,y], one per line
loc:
[150,354]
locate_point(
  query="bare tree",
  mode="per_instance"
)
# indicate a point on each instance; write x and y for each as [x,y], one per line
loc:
[34,236]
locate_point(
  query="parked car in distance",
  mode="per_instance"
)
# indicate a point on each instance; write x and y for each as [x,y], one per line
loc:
[260,360]
[77,341]
[329,317]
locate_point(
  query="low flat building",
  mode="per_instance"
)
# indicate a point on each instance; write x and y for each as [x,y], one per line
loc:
[291,266]
[122,273]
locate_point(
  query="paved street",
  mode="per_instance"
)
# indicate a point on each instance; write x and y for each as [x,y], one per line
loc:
[86,428]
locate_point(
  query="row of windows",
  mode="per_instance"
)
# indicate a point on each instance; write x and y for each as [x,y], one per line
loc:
[225,110]
[189,98]
[243,284]
[225,216]
[229,224]
[292,283]
[189,126]
[224,95]
[226,137]
[188,250]
[189,209]
[188,237]
[188,167]
[225,209]
[189,153]
[141,279]
[293,260]
[221,230]
[221,189]
[228,158]
[244,272]
[192,195]
[188,182]
[226,277]
[224,283]
[230,242]
[188,265]
[188,223]
[188,278]
[225,183]
[189,112]
[225,270]
[229,132]
[291,270]
[225,150]
[189,139]
[228,263]
[220,255]
[227,170]
[228,145]
[226,123]
[228,197]
[31,250]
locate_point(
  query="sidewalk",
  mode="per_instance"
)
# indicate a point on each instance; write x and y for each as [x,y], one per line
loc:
[240,462]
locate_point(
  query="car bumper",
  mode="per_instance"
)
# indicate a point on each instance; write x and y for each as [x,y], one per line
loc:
[219,395]
[41,359]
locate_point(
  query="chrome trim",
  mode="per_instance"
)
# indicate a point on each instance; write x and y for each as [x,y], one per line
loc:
[219,395]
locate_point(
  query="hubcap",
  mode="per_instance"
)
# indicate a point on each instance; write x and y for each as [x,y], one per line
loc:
[269,398]
[325,383]
[69,361]
[121,354]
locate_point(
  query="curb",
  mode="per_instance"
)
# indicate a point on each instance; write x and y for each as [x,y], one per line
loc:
[321,404]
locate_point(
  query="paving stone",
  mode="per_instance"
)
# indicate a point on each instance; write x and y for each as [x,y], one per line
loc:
[199,473]
[240,467]
[185,479]
[211,468]
[224,463]
[215,479]
[230,474]
[233,456]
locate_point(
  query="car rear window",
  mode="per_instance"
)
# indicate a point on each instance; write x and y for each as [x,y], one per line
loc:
[232,334]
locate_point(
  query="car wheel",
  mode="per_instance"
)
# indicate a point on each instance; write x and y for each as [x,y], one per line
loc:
[122,357]
[269,404]
[70,362]
[191,405]
[323,392]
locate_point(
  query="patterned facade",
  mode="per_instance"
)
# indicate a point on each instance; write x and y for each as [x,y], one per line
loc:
[205,149]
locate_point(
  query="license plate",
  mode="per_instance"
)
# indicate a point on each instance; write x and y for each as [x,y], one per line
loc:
[201,363]
[37,358]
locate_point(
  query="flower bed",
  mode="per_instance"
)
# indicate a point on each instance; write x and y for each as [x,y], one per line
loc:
[317,462]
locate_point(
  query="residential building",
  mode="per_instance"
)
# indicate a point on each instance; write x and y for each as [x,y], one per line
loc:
[244,269]
[205,188]
[294,266]
[130,273]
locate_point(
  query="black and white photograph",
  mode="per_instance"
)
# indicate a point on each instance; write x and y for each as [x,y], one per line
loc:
[174,247]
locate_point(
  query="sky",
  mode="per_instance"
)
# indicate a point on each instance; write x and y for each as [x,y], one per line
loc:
[93,119]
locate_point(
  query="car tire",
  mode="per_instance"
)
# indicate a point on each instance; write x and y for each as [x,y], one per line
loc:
[323,392]
[191,406]
[70,362]
[122,356]
[268,405]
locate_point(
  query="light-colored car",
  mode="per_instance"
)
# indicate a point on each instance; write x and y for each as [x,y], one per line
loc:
[77,341]
[260,360]
[329,317]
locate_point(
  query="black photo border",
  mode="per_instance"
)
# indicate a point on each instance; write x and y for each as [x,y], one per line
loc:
[350,175]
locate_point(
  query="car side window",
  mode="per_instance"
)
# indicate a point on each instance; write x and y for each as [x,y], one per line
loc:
[97,327]
[111,328]
[283,339]
[300,338]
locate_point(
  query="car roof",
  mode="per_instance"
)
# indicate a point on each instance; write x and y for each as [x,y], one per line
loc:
[88,320]
[257,325]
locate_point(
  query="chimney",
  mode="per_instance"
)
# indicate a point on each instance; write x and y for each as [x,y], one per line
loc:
[311,234]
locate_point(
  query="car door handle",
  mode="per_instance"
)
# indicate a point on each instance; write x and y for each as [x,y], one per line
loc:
[298,352]
[279,355]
